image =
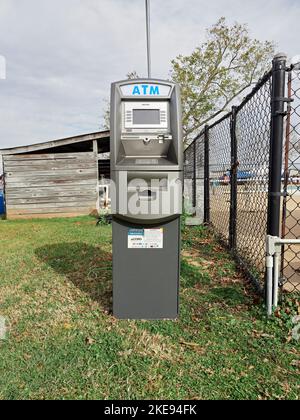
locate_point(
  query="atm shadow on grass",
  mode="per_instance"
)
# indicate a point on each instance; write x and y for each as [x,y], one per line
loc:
[89,268]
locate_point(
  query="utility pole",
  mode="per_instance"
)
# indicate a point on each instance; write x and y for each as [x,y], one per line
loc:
[148,37]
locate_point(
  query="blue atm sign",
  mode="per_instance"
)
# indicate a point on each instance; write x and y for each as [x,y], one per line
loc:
[145,90]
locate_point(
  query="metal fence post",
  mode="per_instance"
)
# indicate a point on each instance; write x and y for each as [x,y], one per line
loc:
[206,177]
[288,132]
[276,149]
[233,182]
[195,175]
[276,143]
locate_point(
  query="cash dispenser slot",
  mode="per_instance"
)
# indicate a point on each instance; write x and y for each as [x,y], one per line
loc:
[146,147]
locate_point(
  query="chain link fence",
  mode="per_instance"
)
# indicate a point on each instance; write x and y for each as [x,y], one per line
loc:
[194,177]
[248,188]
[199,186]
[219,174]
[189,178]
[253,122]
[290,264]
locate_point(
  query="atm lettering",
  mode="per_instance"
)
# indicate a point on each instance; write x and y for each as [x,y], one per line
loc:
[136,91]
[146,90]
[154,90]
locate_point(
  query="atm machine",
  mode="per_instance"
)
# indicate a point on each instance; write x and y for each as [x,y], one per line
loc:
[147,174]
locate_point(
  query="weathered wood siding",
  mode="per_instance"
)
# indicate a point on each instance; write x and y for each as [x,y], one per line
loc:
[50,185]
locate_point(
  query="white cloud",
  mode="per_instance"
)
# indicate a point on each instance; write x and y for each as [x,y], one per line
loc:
[63,54]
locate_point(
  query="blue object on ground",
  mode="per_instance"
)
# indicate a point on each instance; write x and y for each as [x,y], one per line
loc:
[2,207]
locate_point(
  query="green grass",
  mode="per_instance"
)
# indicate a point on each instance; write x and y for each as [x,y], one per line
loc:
[63,342]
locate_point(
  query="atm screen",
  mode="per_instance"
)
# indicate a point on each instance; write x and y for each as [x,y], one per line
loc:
[146,116]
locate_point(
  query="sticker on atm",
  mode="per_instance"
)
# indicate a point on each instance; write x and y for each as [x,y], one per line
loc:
[146,238]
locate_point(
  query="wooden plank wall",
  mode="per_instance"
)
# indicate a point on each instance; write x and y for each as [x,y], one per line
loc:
[50,185]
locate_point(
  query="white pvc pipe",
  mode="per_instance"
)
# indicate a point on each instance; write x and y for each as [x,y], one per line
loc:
[276,279]
[272,266]
[269,263]
[287,242]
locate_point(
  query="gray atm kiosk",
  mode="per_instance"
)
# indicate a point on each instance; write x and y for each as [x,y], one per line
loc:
[146,167]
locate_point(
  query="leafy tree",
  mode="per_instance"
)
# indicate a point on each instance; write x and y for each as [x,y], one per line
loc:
[217,72]
[106,112]
[105,115]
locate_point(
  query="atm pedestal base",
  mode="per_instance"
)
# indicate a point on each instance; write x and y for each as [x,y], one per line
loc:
[146,273]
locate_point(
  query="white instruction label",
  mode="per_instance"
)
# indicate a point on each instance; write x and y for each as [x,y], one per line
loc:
[146,238]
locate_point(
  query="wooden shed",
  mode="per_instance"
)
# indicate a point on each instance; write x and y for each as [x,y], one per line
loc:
[58,178]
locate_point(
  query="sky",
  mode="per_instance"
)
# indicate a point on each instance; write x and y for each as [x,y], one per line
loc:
[62,55]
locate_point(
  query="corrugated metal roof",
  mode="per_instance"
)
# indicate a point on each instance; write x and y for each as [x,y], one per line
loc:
[56,143]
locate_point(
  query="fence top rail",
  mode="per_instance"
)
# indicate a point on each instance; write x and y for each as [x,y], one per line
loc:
[202,133]
[220,120]
[256,88]
[194,140]
[189,146]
